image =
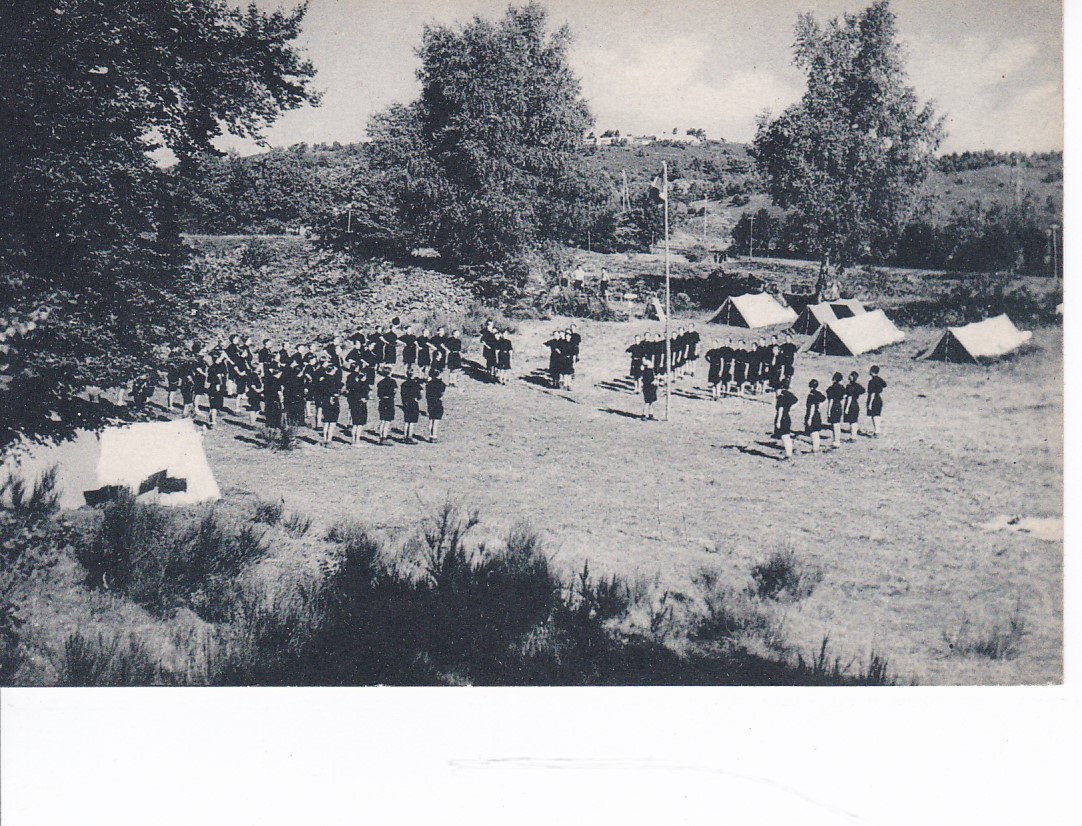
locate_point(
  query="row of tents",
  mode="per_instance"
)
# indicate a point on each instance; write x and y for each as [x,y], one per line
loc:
[847,328]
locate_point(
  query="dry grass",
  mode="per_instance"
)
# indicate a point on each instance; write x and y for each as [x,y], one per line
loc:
[891,522]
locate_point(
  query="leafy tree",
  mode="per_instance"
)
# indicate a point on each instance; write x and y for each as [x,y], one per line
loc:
[90,253]
[488,161]
[852,155]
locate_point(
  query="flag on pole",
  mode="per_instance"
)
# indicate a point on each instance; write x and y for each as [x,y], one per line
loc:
[659,189]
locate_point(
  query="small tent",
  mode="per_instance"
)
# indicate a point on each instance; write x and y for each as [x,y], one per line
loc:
[858,334]
[654,310]
[991,338]
[815,316]
[753,310]
[162,459]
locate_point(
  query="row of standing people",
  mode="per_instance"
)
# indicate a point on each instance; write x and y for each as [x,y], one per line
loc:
[564,349]
[843,410]
[748,369]
[291,385]
[648,351]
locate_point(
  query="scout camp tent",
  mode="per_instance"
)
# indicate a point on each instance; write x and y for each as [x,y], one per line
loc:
[853,336]
[162,460]
[815,316]
[753,310]
[990,338]
[654,310]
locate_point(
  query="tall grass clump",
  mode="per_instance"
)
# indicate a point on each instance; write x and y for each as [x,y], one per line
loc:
[1002,640]
[41,500]
[163,560]
[98,661]
[269,513]
[825,669]
[782,576]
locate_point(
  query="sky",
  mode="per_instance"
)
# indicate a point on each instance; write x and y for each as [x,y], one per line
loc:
[993,67]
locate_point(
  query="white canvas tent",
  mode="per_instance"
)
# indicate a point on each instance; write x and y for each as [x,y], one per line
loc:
[991,338]
[164,460]
[815,316]
[853,336]
[753,310]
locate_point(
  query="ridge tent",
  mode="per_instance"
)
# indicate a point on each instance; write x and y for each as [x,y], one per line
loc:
[853,336]
[654,310]
[753,310]
[815,316]
[991,338]
[165,458]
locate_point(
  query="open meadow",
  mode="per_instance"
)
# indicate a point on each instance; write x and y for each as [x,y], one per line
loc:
[894,524]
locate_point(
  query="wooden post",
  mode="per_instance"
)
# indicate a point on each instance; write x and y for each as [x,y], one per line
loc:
[668,301]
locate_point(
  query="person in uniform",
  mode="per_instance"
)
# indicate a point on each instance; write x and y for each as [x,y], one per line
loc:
[503,356]
[835,411]
[853,391]
[386,391]
[783,423]
[330,400]
[411,391]
[636,351]
[692,353]
[454,357]
[715,358]
[555,345]
[409,349]
[876,386]
[254,391]
[272,393]
[813,418]
[488,348]
[434,390]
[424,351]
[217,385]
[649,391]
[358,390]
[787,356]
[727,356]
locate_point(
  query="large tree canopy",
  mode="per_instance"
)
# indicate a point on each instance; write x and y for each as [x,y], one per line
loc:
[852,155]
[488,160]
[90,258]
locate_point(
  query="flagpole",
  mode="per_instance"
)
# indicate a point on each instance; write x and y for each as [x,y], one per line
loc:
[668,306]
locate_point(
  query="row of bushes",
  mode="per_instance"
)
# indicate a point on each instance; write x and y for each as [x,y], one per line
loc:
[441,610]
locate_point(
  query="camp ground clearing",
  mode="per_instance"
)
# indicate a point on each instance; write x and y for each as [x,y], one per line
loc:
[897,525]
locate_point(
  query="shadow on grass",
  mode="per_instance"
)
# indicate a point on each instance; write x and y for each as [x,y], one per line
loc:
[615,412]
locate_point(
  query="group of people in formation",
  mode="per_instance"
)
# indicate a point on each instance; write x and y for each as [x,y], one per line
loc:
[564,347]
[750,369]
[842,413]
[649,366]
[496,351]
[321,383]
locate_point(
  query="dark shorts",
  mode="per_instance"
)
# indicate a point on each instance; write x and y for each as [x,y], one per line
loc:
[876,407]
[187,395]
[386,410]
[358,412]
[332,409]
[636,368]
[834,415]
[435,411]
[649,394]
[852,415]
[217,401]
[454,361]
[411,413]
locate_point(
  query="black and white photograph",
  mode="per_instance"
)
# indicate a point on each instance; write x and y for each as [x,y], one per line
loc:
[355,344]
[558,343]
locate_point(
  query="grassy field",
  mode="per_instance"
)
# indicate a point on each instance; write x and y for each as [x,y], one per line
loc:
[894,523]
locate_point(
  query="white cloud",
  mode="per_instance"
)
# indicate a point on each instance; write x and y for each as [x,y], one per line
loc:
[649,87]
